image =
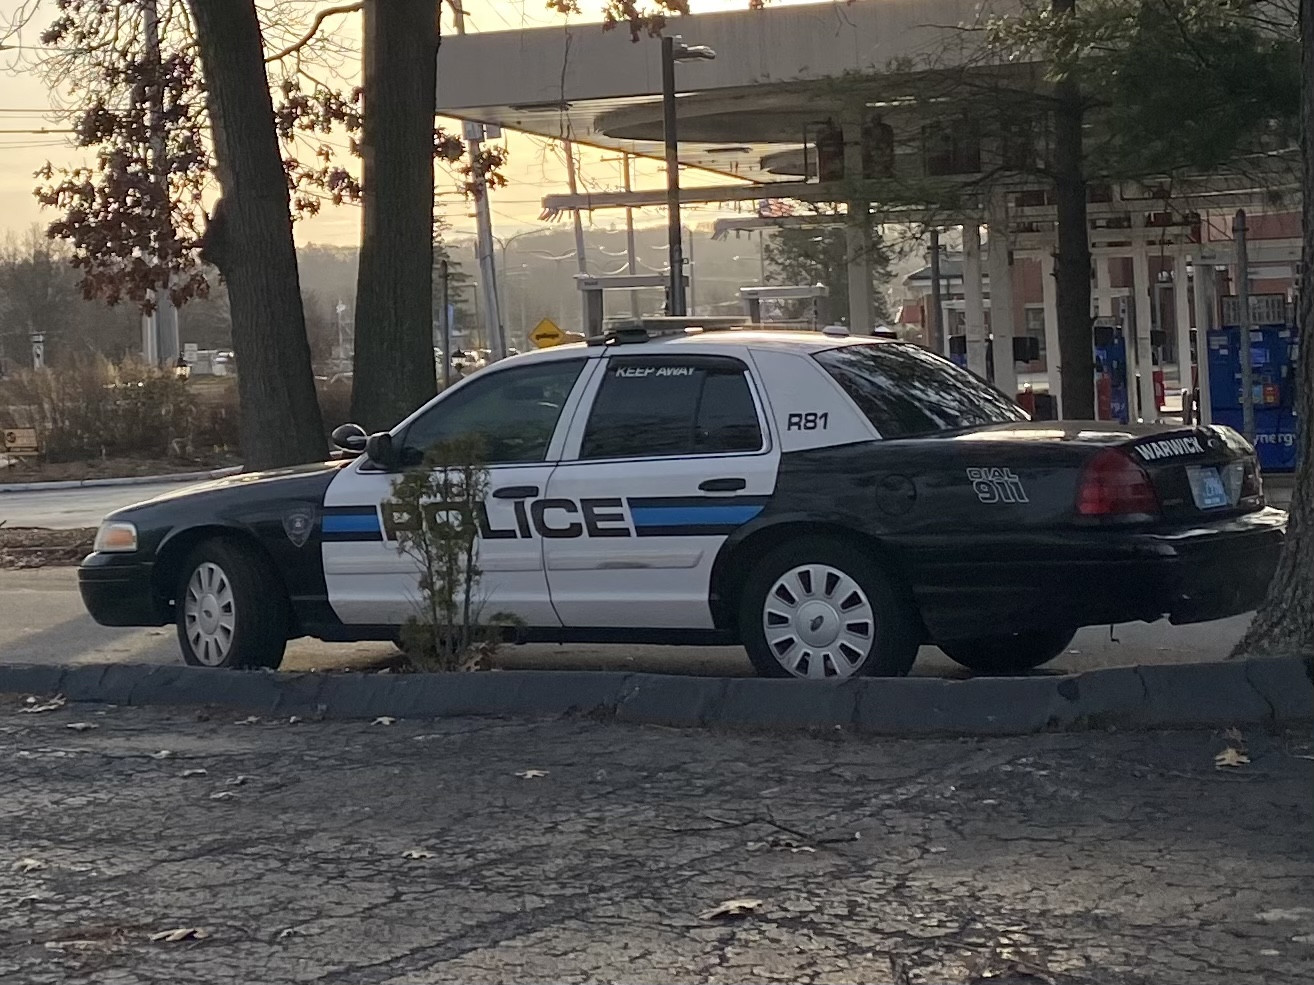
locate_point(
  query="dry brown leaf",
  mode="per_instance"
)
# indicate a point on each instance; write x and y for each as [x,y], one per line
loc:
[180,934]
[532,774]
[732,909]
[81,726]
[34,706]
[1231,757]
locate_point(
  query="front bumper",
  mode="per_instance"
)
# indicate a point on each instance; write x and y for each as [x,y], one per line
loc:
[998,584]
[117,589]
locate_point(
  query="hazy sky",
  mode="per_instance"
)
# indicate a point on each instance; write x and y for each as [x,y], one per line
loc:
[535,166]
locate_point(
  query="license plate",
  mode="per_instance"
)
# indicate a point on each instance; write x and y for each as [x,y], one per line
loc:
[1207,488]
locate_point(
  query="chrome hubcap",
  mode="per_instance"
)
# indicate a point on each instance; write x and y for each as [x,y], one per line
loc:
[818,622]
[209,614]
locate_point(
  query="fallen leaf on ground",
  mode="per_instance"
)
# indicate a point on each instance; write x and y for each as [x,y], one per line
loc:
[180,934]
[417,854]
[223,795]
[163,754]
[81,726]
[195,772]
[1230,757]
[384,720]
[34,706]
[732,909]
[532,774]
[28,865]
[1293,915]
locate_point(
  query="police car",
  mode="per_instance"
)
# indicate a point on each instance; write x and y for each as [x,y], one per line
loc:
[830,503]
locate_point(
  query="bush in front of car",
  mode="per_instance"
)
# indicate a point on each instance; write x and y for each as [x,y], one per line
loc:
[435,512]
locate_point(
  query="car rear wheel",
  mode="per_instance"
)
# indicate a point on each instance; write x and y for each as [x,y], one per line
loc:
[230,610]
[818,609]
[1009,654]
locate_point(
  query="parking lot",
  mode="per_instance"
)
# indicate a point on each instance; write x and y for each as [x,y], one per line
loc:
[574,851]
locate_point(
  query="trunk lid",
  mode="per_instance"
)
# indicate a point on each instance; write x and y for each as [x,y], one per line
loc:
[1197,471]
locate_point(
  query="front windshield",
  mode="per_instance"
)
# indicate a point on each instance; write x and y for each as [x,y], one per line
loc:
[907,391]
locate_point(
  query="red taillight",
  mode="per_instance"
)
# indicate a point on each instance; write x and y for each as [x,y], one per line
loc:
[1113,485]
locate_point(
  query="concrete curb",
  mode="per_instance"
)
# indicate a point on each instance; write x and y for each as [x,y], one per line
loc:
[1269,691]
[127,480]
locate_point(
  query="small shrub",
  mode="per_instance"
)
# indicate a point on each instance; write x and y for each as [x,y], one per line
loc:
[436,510]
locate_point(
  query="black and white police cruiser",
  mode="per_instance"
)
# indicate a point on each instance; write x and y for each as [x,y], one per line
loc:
[830,503]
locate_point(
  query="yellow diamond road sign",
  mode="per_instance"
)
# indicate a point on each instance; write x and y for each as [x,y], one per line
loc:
[546,334]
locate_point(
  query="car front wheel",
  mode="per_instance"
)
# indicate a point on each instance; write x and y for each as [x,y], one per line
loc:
[1012,654]
[230,611]
[818,609]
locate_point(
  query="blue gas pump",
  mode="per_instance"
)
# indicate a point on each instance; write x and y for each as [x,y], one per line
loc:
[1274,355]
[1110,371]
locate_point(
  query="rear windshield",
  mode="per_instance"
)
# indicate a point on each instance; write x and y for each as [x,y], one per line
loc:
[906,390]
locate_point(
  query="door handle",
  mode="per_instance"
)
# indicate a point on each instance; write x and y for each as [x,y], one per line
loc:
[516,492]
[722,485]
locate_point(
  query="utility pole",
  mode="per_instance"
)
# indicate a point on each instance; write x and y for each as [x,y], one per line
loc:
[160,328]
[474,137]
[935,323]
[447,324]
[1243,323]
[581,258]
[631,251]
[674,227]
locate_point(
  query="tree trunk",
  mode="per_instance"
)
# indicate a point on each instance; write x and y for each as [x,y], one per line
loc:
[1285,622]
[253,245]
[1072,262]
[394,360]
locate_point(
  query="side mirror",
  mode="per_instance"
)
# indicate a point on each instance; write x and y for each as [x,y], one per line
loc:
[380,450]
[349,437]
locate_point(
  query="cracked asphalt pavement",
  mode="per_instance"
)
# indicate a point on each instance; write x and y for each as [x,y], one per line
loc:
[575,851]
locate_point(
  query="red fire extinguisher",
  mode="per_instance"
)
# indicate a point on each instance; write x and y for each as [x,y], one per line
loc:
[1103,396]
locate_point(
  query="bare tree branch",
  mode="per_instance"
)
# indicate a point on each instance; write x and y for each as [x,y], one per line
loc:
[315,25]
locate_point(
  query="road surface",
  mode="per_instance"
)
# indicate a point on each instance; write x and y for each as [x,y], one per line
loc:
[577,852]
[42,621]
[62,509]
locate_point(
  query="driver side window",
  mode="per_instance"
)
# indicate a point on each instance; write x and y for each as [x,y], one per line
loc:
[513,411]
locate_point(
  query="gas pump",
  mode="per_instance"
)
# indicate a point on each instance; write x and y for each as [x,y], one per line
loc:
[1110,371]
[1274,356]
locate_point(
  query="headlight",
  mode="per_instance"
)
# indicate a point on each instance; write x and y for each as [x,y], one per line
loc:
[116,538]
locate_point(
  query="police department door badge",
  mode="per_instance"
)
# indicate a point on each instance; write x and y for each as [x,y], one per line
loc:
[298,524]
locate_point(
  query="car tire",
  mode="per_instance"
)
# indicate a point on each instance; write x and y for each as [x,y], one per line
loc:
[230,609]
[816,608]
[1013,654]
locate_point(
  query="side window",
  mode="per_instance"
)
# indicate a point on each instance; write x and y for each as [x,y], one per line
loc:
[648,408]
[514,411]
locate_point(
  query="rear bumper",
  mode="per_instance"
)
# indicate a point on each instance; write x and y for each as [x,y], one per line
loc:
[117,590]
[1001,585]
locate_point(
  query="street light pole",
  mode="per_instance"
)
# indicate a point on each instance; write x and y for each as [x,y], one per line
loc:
[674,49]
